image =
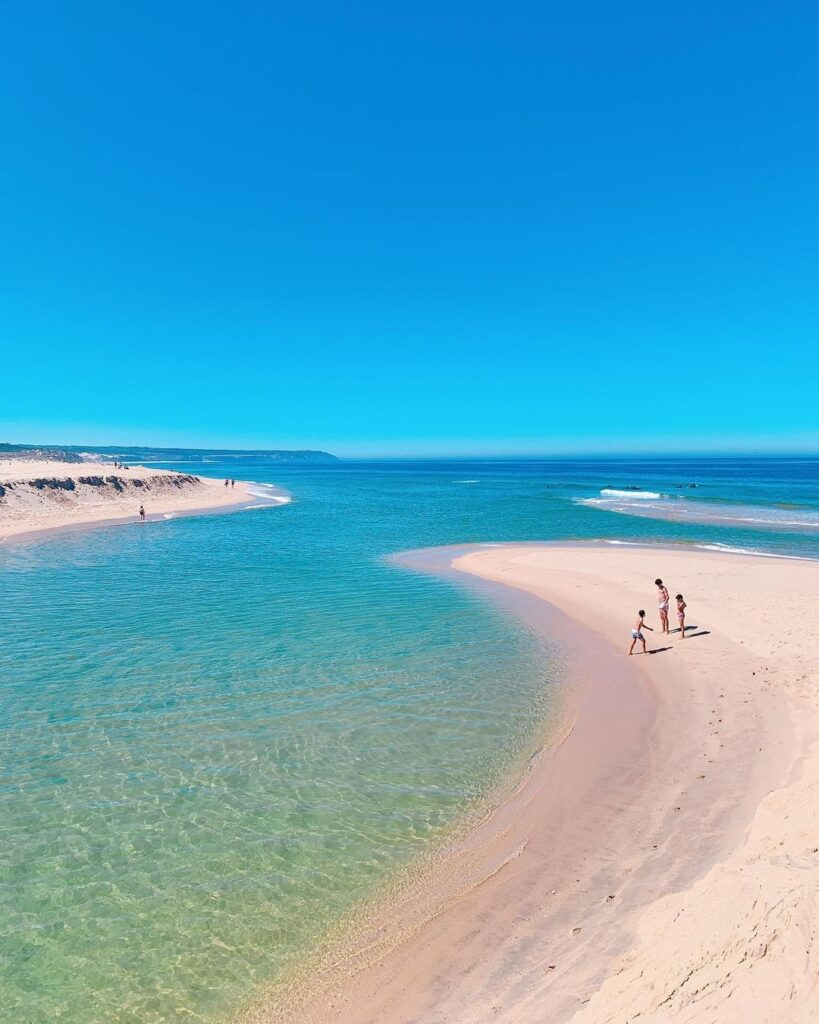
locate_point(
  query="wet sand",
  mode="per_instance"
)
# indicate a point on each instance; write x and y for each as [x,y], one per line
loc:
[662,861]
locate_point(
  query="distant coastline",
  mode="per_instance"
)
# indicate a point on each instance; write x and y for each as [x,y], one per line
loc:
[146,453]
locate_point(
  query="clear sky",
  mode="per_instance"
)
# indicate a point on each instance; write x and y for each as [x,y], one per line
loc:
[413,227]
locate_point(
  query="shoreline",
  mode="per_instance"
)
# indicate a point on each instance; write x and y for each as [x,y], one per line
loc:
[478,848]
[190,496]
[633,809]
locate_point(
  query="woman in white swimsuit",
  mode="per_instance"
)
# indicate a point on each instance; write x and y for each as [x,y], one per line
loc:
[662,605]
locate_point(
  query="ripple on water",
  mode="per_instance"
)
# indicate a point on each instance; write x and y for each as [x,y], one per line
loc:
[217,752]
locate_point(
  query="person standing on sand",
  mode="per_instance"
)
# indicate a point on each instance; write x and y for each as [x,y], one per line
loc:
[232,484]
[226,482]
[681,606]
[662,604]
[142,513]
[637,632]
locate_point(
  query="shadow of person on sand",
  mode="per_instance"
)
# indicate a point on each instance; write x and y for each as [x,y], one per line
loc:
[659,650]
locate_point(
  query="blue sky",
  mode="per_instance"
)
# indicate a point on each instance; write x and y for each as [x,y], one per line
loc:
[410,228]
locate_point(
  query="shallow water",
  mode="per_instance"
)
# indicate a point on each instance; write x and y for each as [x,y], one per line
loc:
[219,733]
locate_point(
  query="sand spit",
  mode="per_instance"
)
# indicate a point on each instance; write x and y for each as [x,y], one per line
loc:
[663,873]
[37,496]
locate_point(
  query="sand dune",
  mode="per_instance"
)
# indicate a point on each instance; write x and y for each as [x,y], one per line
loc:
[36,496]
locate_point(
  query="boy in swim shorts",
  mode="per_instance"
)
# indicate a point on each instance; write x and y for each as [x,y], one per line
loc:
[681,606]
[637,632]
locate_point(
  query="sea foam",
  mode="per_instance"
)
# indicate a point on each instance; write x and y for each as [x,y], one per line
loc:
[612,492]
[270,493]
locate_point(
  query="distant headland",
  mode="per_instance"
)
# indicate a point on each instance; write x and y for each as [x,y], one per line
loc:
[143,454]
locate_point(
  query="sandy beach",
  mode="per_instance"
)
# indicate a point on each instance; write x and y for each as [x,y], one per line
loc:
[662,862]
[37,496]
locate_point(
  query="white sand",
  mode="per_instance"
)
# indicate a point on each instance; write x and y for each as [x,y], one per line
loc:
[665,873]
[26,508]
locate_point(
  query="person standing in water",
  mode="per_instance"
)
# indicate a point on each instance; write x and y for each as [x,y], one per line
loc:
[662,604]
[637,632]
[142,513]
[681,606]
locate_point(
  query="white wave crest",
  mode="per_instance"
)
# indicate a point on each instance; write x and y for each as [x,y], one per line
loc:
[612,492]
[729,549]
[269,493]
[725,548]
[709,513]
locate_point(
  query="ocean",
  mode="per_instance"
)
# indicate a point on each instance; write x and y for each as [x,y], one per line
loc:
[222,734]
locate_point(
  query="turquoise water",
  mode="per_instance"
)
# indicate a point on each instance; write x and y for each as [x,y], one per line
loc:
[219,734]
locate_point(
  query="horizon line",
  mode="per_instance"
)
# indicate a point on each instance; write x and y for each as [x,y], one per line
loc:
[654,453]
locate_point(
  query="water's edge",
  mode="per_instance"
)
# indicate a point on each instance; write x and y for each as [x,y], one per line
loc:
[484,839]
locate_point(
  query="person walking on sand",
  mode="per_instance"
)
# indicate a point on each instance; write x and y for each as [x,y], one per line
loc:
[681,606]
[142,513]
[227,482]
[662,604]
[637,632]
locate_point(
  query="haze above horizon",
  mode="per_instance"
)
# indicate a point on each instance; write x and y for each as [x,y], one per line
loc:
[411,230]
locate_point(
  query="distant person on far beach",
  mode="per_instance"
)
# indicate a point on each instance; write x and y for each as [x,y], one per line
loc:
[662,605]
[227,482]
[681,606]
[142,513]
[637,632]
[232,483]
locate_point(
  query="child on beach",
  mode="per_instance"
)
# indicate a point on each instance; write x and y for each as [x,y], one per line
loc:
[142,513]
[681,606]
[637,632]
[662,604]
